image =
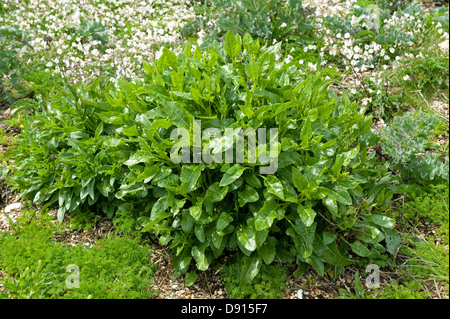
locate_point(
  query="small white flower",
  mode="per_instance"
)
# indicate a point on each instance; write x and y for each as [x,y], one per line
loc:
[392,50]
[301,62]
[347,35]
[338,35]
[59,51]
[283,25]
[49,64]
[312,67]
[406,78]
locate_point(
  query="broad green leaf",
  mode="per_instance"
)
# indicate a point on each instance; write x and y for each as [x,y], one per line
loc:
[268,250]
[393,240]
[196,211]
[190,278]
[332,206]
[253,180]
[199,232]
[232,174]
[317,264]
[249,45]
[178,115]
[246,236]
[137,190]
[189,177]
[360,249]
[250,269]
[267,214]
[306,132]
[170,57]
[300,182]
[381,220]
[306,214]
[274,186]
[215,193]
[230,43]
[328,237]
[248,195]
[370,235]
[223,221]
[200,257]
[341,195]
[330,253]
[131,131]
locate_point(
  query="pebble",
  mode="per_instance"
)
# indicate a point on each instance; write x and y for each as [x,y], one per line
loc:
[300,294]
[13,206]
[7,113]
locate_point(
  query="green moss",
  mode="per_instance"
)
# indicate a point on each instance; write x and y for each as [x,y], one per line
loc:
[115,267]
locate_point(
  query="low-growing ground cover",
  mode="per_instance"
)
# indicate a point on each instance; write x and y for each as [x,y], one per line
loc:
[355,176]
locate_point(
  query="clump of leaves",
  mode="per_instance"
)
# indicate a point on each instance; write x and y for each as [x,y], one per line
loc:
[12,41]
[310,198]
[92,30]
[406,140]
[269,283]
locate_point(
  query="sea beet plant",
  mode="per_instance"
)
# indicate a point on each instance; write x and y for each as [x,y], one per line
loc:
[111,149]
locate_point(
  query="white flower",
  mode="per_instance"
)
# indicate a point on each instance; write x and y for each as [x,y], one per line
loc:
[406,78]
[347,35]
[338,35]
[392,50]
[301,62]
[283,25]
[312,67]
[49,64]
[59,51]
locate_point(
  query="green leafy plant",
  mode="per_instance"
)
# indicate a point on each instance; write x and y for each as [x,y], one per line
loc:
[111,150]
[406,140]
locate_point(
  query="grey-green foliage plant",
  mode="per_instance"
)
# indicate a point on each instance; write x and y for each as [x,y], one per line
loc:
[406,140]
[12,41]
[266,19]
[93,30]
[112,154]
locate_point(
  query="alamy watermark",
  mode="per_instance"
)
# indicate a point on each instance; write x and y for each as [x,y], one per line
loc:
[73,280]
[218,144]
[373,278]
